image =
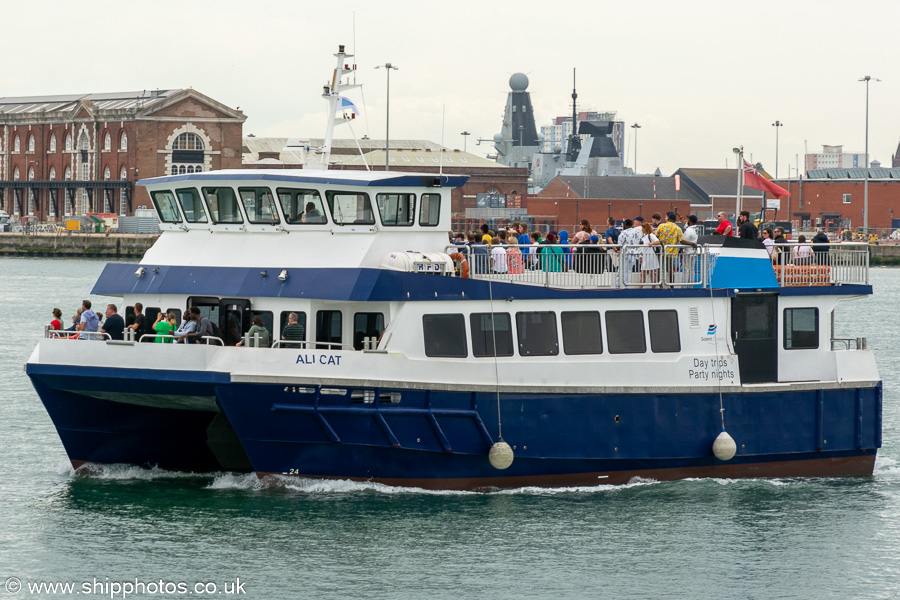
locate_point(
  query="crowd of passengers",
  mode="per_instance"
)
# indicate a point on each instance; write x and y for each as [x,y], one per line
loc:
[88,324]
[514,250]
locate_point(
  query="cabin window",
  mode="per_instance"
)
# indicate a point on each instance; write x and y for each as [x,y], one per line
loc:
[664,331]
[430,213]
[210,311]
[581,332]
[396,209]
[801,328]
[166,207]
[150,313]
[223,205]
[177,313]
[350,209]
[301,206]
[486,328]
[301,320]
[192,205]
[625,332]
[537,333]
[267,319]
[445,336]
[328,329]
[366,325]
[259,205]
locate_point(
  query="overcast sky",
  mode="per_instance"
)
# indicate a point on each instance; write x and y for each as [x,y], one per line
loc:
[700,77]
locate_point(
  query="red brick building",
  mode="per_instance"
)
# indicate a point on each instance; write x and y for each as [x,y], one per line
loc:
[78,154]
[837,202]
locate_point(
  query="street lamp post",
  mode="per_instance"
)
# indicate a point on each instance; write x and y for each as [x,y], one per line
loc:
[867,79]
[635,127]
[387,142]
[465,135]
[776,125]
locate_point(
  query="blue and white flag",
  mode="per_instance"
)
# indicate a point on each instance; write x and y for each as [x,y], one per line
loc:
[347,104]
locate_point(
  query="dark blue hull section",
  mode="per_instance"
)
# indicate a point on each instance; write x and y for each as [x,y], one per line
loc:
[442,439]
[98,430]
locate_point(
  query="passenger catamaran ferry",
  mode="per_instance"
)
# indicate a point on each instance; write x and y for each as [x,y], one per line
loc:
[411,375]
[566,369]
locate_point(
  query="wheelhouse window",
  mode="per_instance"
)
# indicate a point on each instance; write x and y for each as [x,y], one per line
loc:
[801,328]
[486,328]
[223,205]
[350,209]
[625,332]
[396,209]
[581,332]
[430,213]
[445,336]
[366,325]
[537,333]
[664,335]
[301,206]
[166,206]
[192,205]
[259,205]
[328,329]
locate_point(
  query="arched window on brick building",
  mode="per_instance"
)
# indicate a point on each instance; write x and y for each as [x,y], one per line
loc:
[187,154]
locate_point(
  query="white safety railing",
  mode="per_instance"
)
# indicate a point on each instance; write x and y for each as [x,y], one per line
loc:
[809,264]
[311,345]
[590,266]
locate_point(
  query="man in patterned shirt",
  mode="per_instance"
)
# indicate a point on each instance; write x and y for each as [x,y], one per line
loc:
[630,236]
[670,234]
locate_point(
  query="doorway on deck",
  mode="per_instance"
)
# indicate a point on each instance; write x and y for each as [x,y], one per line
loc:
[754,333]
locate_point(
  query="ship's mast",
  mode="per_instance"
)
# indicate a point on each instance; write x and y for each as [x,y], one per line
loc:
[574,139]
[332,94]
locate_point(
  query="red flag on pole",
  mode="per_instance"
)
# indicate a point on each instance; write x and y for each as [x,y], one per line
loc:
[752,178]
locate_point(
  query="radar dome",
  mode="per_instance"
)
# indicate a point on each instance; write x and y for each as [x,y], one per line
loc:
[518,82]
[498,138]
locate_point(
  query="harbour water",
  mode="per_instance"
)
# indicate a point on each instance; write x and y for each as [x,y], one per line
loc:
[825,538]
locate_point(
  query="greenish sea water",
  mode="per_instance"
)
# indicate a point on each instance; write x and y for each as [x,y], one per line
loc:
[816,538]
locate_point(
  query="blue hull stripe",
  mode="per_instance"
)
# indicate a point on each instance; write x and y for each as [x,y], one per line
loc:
[375,285]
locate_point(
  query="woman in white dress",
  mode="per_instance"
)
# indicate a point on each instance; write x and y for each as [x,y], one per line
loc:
[802,254]
[649,258]
[768,240]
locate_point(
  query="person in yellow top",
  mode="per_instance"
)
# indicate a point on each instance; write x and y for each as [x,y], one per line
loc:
[669,234]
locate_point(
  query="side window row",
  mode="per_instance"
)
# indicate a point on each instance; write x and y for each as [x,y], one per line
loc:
[299,207]
[537,333]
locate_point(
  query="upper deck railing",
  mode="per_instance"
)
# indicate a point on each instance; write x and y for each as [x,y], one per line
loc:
[599,266]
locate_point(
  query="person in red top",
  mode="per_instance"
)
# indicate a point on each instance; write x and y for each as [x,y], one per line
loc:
[56,324]
[724,227]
